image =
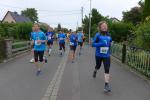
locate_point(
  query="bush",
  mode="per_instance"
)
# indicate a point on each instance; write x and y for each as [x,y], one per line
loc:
[143,35]
[18,31]
[2,49]
[120,31]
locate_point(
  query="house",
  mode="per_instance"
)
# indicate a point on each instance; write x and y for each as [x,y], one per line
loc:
[114,20]
[14,17]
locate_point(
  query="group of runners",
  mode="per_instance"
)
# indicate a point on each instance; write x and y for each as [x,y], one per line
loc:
[42,43]
[42,46]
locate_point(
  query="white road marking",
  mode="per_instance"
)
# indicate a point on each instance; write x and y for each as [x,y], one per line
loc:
[53,88]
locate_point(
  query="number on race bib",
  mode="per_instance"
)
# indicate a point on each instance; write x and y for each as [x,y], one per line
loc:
[49,37]
[61,38]
[71,43]
[36,43]
[104,50]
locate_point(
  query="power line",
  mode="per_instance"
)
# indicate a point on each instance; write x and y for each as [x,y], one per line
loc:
[59,15]
[59,11]
[41,10]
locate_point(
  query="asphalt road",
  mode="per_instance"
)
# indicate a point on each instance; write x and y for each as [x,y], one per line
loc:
[78,84]
[64,80]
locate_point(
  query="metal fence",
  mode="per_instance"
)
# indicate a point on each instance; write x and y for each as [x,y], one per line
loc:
[137,59]
[116,50]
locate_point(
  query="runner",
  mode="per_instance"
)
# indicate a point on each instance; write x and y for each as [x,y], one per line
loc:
[73,45]
[102,42]
[61,39]
[32,46]
[84,39]
[68,35]
[80,41]
[50,39]
[38,41]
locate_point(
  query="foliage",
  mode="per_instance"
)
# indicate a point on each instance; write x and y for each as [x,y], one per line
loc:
[2,49]
[134,15]
[31,13]
[143,35]
[43,28]
[146,11]
[120,31]
[96,17]
[59,27]
[18,31]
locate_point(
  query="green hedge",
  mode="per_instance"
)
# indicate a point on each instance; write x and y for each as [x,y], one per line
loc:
[120,31]
[143,35]
[2,49]
[20,31]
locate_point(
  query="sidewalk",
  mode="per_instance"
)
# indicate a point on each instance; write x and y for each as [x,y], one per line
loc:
[78,84]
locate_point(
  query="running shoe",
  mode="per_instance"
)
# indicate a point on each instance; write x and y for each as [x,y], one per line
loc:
[32,60]
[94,74]
[38,72]
[107,88]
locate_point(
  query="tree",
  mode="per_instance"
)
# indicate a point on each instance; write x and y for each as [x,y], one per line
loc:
[146,11]
[141,4]
[65,30]
[95,19]
[59,27]
[2,31]
[120,31]
[31,13]
[134,15]
[143,35]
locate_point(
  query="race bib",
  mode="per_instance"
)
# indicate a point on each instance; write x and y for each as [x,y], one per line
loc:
[36,43]
[71,43]
[49,37]
[61,38]
[104,50]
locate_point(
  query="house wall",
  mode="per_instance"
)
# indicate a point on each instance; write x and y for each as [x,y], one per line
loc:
[9,19]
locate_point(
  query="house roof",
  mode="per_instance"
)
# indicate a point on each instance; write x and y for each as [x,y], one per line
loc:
[18,18]
[113,18]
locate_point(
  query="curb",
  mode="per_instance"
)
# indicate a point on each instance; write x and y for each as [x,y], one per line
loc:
[131,70]
[18,55]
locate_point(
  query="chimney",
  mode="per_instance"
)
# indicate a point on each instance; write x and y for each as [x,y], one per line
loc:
[15,13]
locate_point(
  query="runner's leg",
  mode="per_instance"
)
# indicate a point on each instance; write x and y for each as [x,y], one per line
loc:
[60,48]
[106,74]
[74,51]
[36,58]
[98,65]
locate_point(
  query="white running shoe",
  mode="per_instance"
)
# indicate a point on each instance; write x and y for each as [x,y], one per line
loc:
[32,60]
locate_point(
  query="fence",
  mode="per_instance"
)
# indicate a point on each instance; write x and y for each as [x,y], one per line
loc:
[20,46]
[13,49]
[137,59]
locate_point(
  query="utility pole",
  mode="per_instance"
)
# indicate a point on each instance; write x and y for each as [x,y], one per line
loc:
[82,15]
[77,26]
[90,21]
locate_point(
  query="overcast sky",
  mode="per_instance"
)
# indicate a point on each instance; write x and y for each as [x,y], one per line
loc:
[67,12]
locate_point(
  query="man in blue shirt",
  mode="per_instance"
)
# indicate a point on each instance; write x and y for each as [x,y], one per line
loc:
[38,40]
[80,40]
[102,42]
[73,44]
[50,39]
[61,39]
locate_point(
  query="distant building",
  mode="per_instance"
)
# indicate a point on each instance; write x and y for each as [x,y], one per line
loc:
[14,17]
[114,20]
